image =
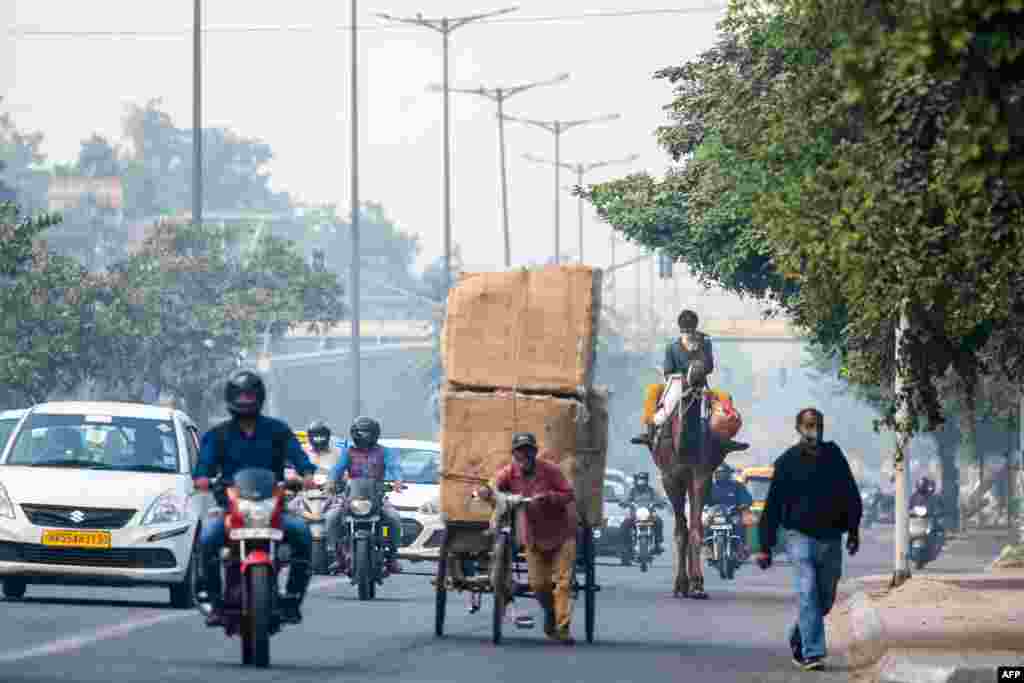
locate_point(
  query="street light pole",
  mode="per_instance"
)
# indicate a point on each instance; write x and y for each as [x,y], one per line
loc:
[499,96]
[581,170]
[556,128]
[445,26]
[197,124]
[354,272]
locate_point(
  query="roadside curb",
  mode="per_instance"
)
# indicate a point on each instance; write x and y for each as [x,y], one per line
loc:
[941,667]
[867,633]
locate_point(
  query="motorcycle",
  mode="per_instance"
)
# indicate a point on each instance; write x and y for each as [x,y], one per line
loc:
[721,540]
[252,507]
[926,539]
[642,541]
[869,504]
[363,550]
[312,505]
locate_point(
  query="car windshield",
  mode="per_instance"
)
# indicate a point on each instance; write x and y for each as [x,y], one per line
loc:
[420,466]
[7,425]
[96,442]
[758,487]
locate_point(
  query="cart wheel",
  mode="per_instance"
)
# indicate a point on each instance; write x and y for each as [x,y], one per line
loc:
[501,565]
[441,592]
[590,587]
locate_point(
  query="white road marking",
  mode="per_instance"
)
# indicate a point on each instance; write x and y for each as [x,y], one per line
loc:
[80,640]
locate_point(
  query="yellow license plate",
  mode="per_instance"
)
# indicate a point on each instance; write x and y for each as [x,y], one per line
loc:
[384,531]
[62,538]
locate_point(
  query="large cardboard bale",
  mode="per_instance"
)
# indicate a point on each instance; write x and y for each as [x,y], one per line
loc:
[533,330]
[592,458]
[476,435]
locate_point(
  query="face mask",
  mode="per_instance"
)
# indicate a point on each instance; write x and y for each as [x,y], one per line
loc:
[810,436]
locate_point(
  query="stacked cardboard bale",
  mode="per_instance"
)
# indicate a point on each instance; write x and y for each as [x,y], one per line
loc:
[519,350]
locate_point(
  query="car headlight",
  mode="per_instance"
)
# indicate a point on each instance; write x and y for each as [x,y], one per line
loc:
[643,514]
[257,513]
[431,507]
[360,506]
[169,507]
[6,506]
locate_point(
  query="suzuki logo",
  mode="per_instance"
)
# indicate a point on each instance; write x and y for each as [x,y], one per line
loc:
[77,516]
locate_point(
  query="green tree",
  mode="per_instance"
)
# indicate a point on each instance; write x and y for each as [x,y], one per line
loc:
[182,319]
[47,324]
[856,207]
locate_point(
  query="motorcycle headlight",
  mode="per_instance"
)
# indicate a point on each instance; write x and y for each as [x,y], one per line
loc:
[169,507]
[320,479]
[616,520]
[360,506]
[431,507]
[920,510]
[643,514]
[6,506]
[720,519]
[257,513]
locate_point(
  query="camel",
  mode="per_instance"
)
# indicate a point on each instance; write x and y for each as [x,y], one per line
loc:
[685,475]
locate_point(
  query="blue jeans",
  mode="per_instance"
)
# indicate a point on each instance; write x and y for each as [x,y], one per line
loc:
[296,535]
[817,566]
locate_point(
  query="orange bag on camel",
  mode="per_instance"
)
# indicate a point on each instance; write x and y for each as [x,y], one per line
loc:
[725,422]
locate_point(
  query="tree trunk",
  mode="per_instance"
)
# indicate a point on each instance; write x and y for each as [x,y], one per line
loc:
[968,429]
[946,441]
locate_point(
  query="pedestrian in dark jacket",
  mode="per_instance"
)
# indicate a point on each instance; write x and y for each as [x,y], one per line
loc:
[814,498]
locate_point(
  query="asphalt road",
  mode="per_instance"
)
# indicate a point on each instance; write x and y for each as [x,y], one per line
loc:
[99,635]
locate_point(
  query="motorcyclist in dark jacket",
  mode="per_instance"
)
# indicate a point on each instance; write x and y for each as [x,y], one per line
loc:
[925,496]
[642,493]
[250,439]
[725,490]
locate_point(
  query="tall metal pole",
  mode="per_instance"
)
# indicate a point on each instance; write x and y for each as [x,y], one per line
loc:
[445,31]
[579,169]
[445,26]
[558,193]
[356,327]
[498,96]
[197,110]
[579,206]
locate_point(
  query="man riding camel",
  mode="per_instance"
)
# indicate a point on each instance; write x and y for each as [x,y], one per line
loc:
[680,355]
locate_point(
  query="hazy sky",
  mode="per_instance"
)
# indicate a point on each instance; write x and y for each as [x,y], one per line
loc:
[292,90]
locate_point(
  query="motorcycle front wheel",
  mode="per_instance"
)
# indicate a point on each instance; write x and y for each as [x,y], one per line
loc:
[256,621]
[720,559]
[363,573]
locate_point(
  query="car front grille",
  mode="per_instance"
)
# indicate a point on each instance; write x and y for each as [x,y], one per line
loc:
[114,558]
[77,517]
[411,530]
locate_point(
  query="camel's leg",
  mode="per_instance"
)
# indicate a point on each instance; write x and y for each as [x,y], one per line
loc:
[695,486]
[676,491]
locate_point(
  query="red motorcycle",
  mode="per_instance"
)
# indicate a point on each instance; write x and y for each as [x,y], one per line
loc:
[254,505]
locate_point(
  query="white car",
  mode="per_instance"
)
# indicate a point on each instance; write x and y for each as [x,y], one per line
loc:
[419,505]
[100,493]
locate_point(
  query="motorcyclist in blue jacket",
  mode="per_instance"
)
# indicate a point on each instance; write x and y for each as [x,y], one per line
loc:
[364,458]
[726,491]
[250,439]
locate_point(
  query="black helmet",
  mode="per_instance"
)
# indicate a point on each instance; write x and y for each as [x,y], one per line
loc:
[364,432]
[641,479]
[245,394]
[924,485]
[688,320]
[723,472]
[319,435]
[524,440]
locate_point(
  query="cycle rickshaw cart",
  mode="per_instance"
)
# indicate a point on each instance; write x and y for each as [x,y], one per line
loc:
[485,558]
